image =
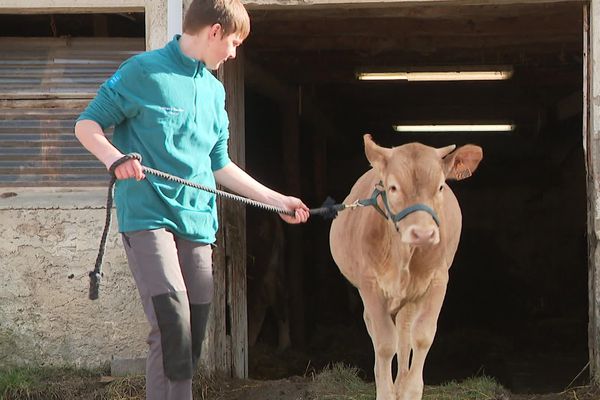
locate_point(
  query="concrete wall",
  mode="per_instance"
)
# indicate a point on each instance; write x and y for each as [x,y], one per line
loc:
[47,247]
[50,241]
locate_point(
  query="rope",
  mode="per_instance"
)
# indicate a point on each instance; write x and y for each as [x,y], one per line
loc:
[221,193]
[328,210]
[96,274]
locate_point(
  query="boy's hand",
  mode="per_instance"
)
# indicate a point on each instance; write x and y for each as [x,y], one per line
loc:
[129,169]
[301,210]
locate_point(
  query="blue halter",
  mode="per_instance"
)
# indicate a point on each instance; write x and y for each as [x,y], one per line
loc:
[372,201]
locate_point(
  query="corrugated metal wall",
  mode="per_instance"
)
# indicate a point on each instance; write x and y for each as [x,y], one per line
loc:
[44,84]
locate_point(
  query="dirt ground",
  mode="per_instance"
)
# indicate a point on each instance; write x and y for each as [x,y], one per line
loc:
[284,389]
[71,385]
[304,388]
[300,389]
[582,393]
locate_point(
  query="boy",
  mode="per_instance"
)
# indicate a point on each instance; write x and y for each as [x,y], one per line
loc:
[166,106]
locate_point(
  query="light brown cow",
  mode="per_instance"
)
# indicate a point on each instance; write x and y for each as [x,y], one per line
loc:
[398,256]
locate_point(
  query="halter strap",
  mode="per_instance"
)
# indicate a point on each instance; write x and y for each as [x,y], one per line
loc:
[388,214]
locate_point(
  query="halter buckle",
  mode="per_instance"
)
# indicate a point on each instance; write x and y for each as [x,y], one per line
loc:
[355,204]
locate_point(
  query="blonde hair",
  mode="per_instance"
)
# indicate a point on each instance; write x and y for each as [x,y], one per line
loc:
[230,14]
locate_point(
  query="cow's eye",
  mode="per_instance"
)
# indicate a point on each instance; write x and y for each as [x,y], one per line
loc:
[441,188]
[392,189]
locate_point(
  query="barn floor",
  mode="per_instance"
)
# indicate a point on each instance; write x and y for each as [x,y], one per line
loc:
[544,368]
[74,385]
[300,389]
[295,389]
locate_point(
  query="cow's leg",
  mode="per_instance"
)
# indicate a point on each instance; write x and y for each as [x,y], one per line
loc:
[404,320]
[381,329]
[424,327]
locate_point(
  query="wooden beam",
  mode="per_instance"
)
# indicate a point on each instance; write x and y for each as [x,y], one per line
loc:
[70,6]
[324,4]
[291,170]
[100,25]
[541,23]
[592,147]
[433,43]
[457,9]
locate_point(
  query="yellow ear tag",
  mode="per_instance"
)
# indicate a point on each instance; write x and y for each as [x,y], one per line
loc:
[462,171]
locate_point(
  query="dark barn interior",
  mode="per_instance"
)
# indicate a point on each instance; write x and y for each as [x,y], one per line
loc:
[516,307]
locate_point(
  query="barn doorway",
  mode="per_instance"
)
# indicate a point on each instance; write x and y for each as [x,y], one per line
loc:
[516,307]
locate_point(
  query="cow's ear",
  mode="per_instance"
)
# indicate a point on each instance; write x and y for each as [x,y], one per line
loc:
[461,164]
[376,155]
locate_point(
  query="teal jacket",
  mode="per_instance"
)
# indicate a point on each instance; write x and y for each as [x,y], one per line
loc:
[171,110]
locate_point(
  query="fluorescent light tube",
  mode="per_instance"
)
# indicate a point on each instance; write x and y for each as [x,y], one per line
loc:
[437,76]
[382,76]
[456,128]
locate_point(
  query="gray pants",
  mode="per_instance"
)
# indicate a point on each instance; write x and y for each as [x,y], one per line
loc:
[174,279]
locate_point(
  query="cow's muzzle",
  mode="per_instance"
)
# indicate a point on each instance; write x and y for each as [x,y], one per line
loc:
[419,235]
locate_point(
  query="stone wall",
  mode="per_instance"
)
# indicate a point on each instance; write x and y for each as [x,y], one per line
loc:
[50,242]
[47,247]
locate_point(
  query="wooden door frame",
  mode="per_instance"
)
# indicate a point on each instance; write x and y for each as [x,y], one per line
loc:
[591,140]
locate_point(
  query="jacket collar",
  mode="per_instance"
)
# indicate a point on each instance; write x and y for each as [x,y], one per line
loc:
[190,66]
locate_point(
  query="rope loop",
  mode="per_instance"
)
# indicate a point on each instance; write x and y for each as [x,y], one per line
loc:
[328,211]
[123,160]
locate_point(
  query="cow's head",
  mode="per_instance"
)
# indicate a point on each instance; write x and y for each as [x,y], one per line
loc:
[415,174]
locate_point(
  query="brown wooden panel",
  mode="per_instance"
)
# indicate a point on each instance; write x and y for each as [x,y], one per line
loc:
[45,83]
[232,234]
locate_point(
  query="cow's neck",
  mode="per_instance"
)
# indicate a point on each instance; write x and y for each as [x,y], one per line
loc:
[409,278]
